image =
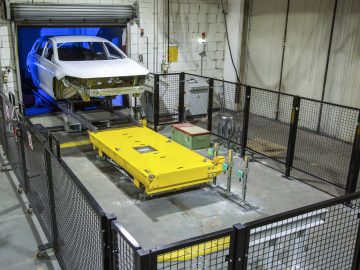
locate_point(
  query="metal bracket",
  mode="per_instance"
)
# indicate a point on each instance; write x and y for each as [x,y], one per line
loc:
[245,206]
[77,117]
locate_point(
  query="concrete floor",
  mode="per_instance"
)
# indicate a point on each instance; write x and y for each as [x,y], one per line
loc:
[176,217]
[20,233]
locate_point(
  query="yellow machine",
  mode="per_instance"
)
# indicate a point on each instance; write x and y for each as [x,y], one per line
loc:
[156,163]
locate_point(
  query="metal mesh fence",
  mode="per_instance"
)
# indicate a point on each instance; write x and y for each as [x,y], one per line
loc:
[323,146]
[319,239]
[204,253]
[196,100]
[10,139]
[168,98]
[124,248]
[39,196]
[2,124]
[196,95]
[325,131]
[79,230]
[147,99]
[227,96]
[269,118]
[228,100]
[14,156]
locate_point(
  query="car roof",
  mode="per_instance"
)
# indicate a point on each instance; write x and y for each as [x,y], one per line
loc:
[62,39]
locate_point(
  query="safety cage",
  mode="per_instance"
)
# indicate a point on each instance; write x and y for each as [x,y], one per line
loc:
[325,235]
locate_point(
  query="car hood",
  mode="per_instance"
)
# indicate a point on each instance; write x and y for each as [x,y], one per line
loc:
[102,68]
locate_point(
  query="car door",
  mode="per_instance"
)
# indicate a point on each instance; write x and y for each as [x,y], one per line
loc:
[47,69]
[33,61]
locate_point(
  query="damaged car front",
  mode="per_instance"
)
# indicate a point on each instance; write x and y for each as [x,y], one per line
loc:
[86,67]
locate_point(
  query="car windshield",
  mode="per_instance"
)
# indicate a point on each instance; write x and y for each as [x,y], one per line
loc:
[87,51]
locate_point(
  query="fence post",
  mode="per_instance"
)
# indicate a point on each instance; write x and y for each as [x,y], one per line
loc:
[156,101]
[51,140]
[210,104]
[292,135]
[23,160]
[356,258]
[142,259]
[242,237]
[353,173]
[246,115]
[181,108]
[48,170]
[3,125]
[108,244]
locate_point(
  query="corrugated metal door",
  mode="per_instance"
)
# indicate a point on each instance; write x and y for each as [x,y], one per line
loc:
[72,14]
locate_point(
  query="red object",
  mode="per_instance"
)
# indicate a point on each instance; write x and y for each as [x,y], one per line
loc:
[14,131]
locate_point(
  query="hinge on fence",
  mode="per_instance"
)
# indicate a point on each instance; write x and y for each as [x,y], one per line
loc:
[5,168]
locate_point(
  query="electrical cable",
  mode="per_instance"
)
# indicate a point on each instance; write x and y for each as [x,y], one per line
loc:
[228,42]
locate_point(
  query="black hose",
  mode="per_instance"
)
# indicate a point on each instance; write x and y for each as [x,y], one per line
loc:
[228,43]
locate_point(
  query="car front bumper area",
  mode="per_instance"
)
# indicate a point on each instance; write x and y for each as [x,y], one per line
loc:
[105,92]
[101,87]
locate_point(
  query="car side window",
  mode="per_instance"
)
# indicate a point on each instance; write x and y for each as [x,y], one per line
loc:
[98,49]
[114,54]
[40,47]
[49,52]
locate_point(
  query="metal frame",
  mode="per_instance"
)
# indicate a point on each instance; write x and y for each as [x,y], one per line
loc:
[294,123]
[154,253]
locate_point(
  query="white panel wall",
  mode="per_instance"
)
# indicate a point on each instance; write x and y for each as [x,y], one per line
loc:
[343,86]
[264,49]
[308,35]
[235,18]
[307,43]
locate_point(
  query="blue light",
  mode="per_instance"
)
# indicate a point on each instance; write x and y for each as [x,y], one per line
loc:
[117,101]
[27,37]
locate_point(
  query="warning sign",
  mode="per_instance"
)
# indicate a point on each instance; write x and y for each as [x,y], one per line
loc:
[30,141]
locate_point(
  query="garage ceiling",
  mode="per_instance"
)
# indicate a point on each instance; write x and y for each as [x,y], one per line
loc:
[72,14]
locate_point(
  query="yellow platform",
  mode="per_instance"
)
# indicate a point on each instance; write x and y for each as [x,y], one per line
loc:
[156,163]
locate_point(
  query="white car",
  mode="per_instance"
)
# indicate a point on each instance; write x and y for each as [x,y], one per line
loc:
[67,67]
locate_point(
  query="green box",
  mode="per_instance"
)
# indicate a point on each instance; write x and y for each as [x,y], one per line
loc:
[191,141]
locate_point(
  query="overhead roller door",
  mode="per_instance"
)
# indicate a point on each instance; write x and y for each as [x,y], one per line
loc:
[72,14]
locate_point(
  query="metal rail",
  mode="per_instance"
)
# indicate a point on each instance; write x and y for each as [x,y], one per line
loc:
[63,107]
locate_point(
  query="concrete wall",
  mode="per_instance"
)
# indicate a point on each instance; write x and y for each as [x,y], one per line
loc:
[306,48]
[188,18]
